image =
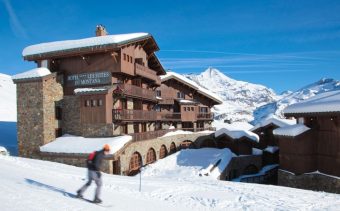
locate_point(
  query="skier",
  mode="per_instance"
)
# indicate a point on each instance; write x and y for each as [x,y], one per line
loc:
[93,165]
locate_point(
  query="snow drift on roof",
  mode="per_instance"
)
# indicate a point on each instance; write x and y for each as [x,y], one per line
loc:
[85,90]
[34,73]
[81,43]
[271,149]
[274,120]
[292,130]
[194,85]
[237,134]
[77,144]
[325,102]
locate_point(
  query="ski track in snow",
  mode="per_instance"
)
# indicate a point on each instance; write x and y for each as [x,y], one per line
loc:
[40,185]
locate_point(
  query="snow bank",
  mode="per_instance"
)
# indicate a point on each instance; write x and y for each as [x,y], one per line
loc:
[177,132]
[237,134]
[77,144]
[293,130]
[28,184]
[194,85]
[190,163]
[34,73]
[8,104]
[3,151]
[324,102]
[271,149]
[274,120]
[81,43]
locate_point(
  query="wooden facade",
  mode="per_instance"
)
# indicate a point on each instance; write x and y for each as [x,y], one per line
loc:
[315,150]
[183,107]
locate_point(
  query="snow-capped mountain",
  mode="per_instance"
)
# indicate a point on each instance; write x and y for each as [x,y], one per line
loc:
[240,98]
[8,108]
[288,98]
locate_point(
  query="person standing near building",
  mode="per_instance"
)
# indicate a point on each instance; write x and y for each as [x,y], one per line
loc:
[94,163]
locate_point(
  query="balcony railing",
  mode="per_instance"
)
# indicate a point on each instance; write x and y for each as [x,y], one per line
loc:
[147,73]
[170,116]
[166,101]
[133,115]
[201,116]
[135,91]
[148,135]
[199,129]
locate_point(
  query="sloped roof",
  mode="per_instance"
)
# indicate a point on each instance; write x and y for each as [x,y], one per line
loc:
[32,74]
[93,43]
[321,103]
[292,130]
[237,134]
[192,84]
[273,120]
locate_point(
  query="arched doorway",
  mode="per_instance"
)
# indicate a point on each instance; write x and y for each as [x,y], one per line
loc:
[150,156]
[172,148]
[135,163]
[163,152]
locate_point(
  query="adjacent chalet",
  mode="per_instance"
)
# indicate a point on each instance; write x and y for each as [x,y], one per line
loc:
[184,104]
[268,142]
[309,151]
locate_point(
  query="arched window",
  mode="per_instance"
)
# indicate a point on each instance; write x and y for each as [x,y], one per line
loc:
[135,163]
[172,148]
[151,156]
[163,152]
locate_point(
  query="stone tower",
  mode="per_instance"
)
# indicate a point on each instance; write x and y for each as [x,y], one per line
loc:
[38,95]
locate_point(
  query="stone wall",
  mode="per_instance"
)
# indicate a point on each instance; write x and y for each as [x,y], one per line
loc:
[36,100]
[142,148]
[316,182]
[97,130]
[71,115]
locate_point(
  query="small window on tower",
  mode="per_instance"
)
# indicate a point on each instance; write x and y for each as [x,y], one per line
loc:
[124,56]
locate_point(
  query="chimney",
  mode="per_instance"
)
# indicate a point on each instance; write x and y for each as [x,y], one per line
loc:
[100,30]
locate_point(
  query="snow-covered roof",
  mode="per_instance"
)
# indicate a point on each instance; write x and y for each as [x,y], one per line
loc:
[271,149]
[237,134]
[274,120]
[34,73]
[324,102]
[182,101]
[256,151]
[77,144]
[88,90]
[81,43]
[292,130]
[188,82]
[177,132]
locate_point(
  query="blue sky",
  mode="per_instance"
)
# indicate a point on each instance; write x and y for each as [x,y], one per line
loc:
[281,44]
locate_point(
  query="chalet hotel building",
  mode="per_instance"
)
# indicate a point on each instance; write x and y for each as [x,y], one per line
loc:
[103,86]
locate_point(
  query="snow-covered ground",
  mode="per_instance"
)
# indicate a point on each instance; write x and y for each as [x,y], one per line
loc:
[8,96]
[27,184]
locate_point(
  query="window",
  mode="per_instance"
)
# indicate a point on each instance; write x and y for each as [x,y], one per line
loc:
[94,103]
[185,108]
[301,120]
[58,113]
[158,93]
[131,59]
[100,102]
[124,55]
[87,103]
[192,108]
[180,95]
[157,108]
[203,109]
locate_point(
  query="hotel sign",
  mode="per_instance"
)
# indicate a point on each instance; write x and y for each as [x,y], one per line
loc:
[93,78]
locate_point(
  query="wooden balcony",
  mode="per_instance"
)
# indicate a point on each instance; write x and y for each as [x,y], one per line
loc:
[166,101]
[199,129]
[148,135]
[135,91]
[147,73]
[133,115]
[170,116]
[205,116]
